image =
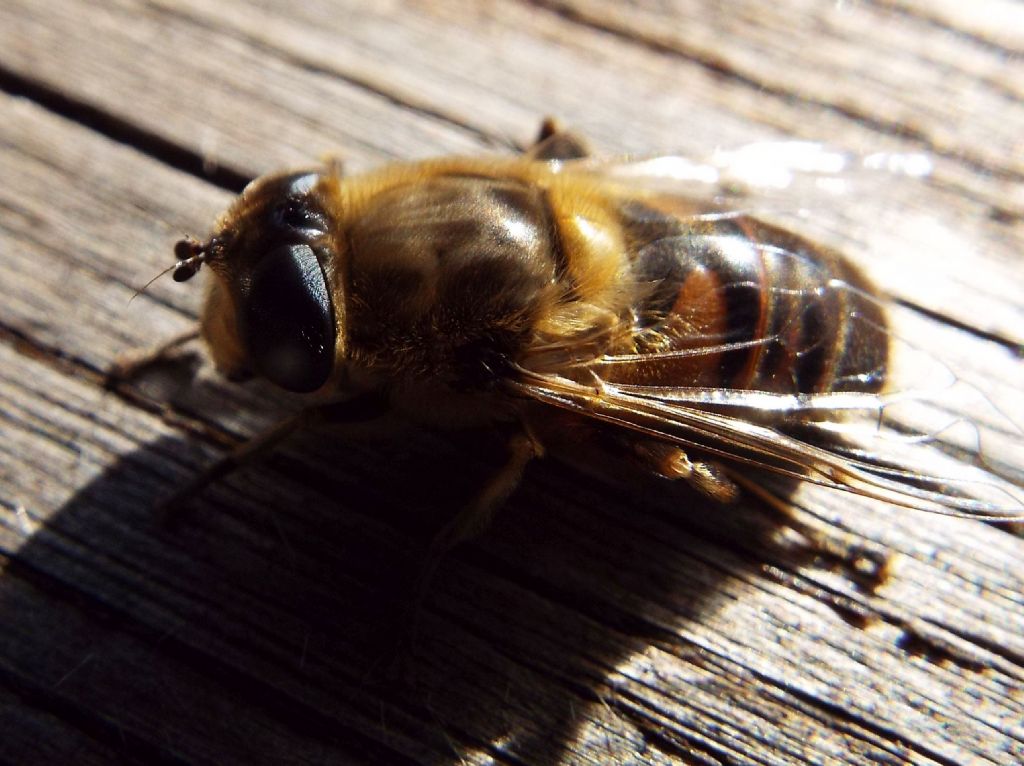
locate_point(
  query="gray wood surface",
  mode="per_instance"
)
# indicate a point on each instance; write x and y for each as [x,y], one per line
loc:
[595,622]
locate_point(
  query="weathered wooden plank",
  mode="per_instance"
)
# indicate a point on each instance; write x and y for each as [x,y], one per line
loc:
[593,624]
[579,612]
[248,99]
[712,650]
[874,64]
[42,737]
[893,223]
[993,22]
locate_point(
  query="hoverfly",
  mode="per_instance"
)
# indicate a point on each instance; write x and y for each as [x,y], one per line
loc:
[562,299]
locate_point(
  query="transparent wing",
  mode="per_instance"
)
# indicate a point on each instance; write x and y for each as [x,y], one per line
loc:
[789,177]
[880,460]
[935,439]
[931,439]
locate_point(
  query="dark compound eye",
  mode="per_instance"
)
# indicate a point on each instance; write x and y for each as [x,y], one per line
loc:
[297,211]
[287,321]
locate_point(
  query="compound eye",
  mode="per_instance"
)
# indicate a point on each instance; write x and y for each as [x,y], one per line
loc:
[287,320]
[295,213]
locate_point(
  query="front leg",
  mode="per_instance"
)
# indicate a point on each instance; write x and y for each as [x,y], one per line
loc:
[368,411]
[130,365]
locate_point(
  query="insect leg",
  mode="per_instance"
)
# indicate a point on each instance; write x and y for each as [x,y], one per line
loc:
[130,365]
[555,143]
[477,514]
[356,412]
[470,521]
[671,462]
[868,564]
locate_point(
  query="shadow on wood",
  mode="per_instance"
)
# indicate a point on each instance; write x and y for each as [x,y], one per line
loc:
[259,631]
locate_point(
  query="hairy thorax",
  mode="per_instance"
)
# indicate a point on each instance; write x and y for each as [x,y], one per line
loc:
[446,275]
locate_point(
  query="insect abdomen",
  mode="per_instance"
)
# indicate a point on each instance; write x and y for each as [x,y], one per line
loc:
[736,303]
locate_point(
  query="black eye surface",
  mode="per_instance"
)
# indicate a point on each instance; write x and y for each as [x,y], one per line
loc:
[298,212]
[287,321]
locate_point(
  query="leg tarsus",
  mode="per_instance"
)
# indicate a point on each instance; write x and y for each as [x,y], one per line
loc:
[171,510]
[130,365]
[868,564]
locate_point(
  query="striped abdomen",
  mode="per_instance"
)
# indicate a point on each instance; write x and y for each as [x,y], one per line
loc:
[736,303]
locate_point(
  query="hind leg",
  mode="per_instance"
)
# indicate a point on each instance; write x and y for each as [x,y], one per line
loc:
[671,462]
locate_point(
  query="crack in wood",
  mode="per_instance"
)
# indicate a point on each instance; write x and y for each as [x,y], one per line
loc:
[121,131]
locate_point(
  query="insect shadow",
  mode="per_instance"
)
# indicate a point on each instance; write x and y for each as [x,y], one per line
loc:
[258,630]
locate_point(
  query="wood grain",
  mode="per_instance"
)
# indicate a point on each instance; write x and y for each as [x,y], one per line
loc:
[596,622]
